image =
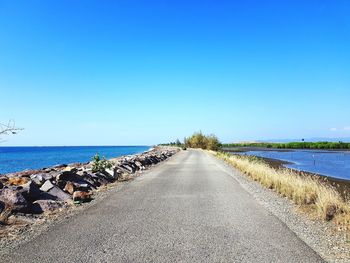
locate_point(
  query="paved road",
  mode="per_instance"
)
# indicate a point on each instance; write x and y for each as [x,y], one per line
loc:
[187,209]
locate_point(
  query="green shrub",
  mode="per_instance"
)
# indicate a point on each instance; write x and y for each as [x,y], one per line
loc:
[100,165]
[199,140]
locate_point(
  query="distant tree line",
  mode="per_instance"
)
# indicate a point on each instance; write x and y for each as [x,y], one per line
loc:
[177,143]
[198,140]
[294,145]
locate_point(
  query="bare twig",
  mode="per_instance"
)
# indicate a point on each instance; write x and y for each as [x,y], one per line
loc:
[9,128]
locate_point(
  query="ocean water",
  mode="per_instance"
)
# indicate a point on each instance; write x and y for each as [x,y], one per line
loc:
[330,163]
[14,159]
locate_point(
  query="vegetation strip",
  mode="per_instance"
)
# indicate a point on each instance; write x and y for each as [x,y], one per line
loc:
[319,199]
[197,140]
[294,145]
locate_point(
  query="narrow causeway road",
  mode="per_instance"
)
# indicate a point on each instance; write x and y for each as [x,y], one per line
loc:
[186,209]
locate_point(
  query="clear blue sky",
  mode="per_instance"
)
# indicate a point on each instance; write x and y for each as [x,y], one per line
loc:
[145,72]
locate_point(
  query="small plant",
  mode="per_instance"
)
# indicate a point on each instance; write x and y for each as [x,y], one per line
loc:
[100,165]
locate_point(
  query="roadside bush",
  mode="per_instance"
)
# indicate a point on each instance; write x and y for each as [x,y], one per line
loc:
[199,140]
[213,143]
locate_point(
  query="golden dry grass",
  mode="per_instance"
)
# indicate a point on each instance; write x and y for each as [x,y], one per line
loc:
[320,199]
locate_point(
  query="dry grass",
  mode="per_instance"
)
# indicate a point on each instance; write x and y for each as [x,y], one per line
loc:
[320,199]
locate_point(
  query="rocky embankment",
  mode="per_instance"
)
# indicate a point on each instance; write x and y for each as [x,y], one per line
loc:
[37,191]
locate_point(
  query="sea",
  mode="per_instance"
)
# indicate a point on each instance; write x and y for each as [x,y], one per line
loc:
[15,159]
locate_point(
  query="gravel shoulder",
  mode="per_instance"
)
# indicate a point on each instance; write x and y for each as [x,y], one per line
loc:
[322,237]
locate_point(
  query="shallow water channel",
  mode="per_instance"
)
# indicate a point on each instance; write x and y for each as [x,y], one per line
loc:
[330,163]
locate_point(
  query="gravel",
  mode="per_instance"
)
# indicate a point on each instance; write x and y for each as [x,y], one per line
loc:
[321,236]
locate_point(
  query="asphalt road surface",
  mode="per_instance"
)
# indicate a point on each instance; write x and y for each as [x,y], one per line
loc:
[187,209]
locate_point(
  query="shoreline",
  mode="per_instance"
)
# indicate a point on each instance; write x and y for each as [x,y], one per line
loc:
[250,148]
[30,197]
[341,185]
[17,159]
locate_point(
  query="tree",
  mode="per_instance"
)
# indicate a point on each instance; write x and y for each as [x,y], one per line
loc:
[213,142]
[178,143]
[199,140]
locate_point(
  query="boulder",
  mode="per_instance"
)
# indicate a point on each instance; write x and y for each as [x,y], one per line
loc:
[37,178]
[46,196]
[41,206]
[67,176]
[53,192]
[89,178]
[17,181]
[47,186]
[130,167]
[13,199]
[81,196]
[59,166]
[70,169]
[83,186]
[139,165]
[110,172]
[48,176]
[1,185]
[63,177]
[100,179]
[58,194]
[61,184]
[30,191]
[69,188]
[47,170]
[124,169]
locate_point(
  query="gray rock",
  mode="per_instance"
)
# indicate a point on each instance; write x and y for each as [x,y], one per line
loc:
[124,169]
[59,194]
[139,165]
[70,169]
[46,196]
[82,186]
[47,186]
[102,178]
[110,172]
[30,191]
[48,176]
[127,167]
[67,176]
[37,178]
[13,199]
[59,166]
[89,178]
[41,206]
